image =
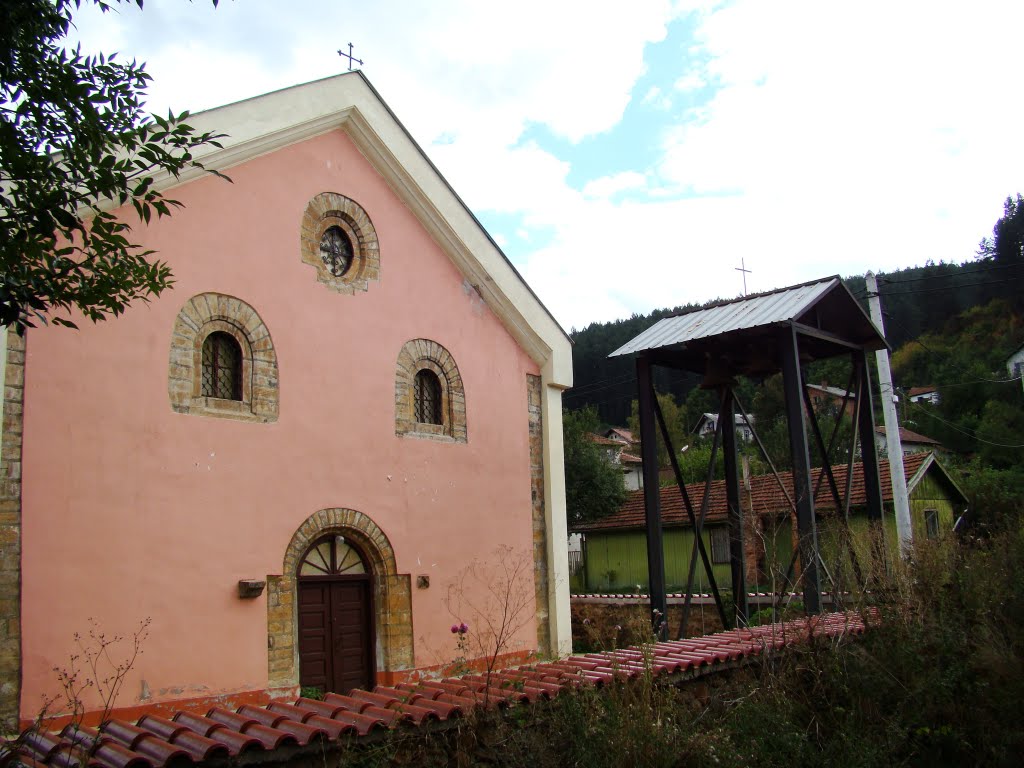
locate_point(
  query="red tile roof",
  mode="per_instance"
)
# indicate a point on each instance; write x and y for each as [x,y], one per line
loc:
[915,391]
[629,458]
[906,436]
[599,440]
[247,735]
[626,434]
[765,497]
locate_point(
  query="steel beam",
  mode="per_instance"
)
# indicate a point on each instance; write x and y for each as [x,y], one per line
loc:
[652,499]
[737,558]
[806,525]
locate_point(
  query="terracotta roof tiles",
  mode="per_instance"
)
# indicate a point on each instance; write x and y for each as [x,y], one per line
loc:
[250,733]
[765,497]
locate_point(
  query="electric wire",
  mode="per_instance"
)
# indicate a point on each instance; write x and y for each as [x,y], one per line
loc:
[969,433]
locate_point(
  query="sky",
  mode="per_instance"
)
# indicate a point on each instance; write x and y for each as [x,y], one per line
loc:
[632,156]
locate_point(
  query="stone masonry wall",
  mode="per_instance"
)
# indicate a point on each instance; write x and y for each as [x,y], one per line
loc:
[10,532]
[540,543]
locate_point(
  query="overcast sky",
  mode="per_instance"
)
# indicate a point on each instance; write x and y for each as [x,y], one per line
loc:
[628,156]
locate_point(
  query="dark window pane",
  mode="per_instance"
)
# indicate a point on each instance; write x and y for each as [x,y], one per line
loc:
[336,251]
[222,367]
[428,398]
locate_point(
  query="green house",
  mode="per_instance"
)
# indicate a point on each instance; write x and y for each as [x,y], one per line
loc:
[615,548]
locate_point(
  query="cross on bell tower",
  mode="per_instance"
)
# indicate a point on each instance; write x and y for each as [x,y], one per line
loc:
[741,268]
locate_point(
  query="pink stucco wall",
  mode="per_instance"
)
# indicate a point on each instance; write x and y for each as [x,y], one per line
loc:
[132,510]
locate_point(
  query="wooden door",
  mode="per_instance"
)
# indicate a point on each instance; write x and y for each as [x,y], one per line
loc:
[336,643]
[335,634]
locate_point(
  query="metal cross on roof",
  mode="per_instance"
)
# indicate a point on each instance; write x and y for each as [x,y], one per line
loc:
[350,57]
[741,268]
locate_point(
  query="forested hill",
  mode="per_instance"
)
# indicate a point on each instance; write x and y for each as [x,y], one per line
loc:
[916,301]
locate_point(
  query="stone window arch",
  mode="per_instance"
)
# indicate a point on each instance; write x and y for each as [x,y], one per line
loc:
[209,326]
[339,241]
[430,400]
[392,595]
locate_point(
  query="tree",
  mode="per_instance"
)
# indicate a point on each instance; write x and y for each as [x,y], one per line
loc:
[74,143]
[593,485]
[1006,245]
[675,420]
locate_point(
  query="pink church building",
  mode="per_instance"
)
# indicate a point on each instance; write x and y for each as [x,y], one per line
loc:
[287,461]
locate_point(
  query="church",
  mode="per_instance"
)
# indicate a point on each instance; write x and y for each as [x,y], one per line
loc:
[286,462]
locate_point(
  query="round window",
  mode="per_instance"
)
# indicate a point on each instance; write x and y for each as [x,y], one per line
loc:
[336,251]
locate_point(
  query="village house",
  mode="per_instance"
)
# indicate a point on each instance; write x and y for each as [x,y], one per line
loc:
[927,394]
[910,442]
[708,423]
[286,461]
[1015,365]
[615,547]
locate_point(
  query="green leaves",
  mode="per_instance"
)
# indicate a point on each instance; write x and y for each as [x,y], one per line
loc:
[73,139]
[593,485]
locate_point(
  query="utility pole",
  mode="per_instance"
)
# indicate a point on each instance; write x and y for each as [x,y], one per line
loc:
[901,503]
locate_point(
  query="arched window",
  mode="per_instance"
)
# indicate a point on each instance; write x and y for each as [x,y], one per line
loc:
[332,556]
[428,398]
[222,367]
[222,361]
[430,401]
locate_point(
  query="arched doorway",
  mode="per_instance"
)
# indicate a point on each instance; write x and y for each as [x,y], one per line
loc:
[335,617]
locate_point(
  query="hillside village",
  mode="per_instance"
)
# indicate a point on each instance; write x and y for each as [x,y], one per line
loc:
[959,403]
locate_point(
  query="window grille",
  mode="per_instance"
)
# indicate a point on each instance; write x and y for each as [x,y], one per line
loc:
[222,367]
[332,556]
[428,398]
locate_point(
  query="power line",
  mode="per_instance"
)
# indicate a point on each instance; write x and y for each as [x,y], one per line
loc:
[932,290]
[960,271]
[969,433]
[928,349]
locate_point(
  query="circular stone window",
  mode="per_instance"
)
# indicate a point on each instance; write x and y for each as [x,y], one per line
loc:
[337,239]
[336,251]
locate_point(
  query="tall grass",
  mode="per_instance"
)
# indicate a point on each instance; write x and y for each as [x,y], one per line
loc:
[938,681]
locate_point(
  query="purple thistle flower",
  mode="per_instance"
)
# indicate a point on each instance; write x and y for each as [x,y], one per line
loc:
[455,628]
[463,629]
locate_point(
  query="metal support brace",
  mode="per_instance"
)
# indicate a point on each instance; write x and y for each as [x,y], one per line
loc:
[737,558]
[652,499]
[697,537]
[795,416]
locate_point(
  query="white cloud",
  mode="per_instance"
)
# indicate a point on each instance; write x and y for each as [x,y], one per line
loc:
[837,138]
[607,186]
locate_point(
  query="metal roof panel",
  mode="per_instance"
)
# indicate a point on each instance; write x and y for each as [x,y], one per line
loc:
[751,312]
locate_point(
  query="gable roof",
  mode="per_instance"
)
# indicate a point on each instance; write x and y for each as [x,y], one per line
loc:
[765,496]
[263,124]
[745,329]
[906,436]
[622,432]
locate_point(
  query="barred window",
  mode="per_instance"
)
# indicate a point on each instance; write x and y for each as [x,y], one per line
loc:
[428,398]
[222,367]
[719,545]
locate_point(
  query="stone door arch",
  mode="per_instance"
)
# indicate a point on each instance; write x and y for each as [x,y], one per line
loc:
[391,596]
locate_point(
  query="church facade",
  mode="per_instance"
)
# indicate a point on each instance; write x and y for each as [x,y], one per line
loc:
[286,463]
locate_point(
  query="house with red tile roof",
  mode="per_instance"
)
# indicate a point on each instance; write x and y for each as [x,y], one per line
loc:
[927,394]
[910,442]
[285,462]
[615,547]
